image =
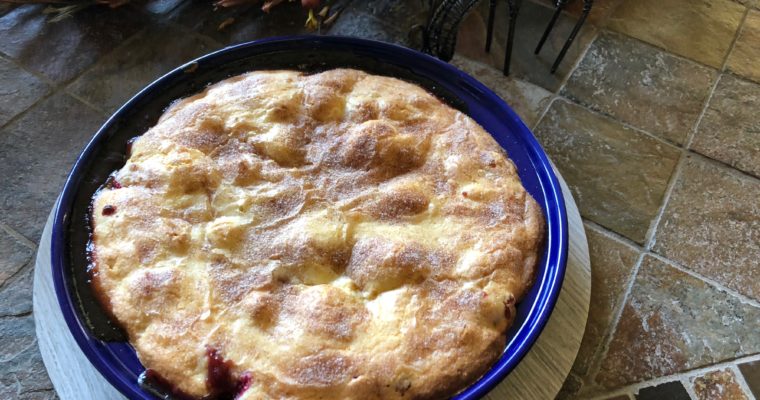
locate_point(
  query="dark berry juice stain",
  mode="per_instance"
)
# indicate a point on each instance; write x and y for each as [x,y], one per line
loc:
[109,210]
[220,382]
[243,384]
[156,384]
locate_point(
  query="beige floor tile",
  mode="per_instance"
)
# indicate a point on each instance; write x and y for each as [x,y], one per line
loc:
[745,58]
[611,264]
[527,99]
[711,224]
[673,322]
[730,129]
[618,175]
[641,85]
[698,29]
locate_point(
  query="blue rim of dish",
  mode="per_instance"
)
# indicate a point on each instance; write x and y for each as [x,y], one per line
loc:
[548,282]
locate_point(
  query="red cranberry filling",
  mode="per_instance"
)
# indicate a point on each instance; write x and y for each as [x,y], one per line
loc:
[220,382]
[109,210]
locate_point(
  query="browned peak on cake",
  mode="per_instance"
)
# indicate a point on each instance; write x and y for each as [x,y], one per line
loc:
[334,235]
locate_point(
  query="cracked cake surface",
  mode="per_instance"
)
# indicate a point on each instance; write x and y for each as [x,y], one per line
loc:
[315,236]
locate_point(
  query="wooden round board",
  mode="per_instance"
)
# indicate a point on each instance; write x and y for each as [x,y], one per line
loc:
[539,376]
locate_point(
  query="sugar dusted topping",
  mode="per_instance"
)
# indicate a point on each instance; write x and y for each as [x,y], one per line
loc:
[335,235]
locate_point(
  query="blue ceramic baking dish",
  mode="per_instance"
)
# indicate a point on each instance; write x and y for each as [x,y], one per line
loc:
[103,344]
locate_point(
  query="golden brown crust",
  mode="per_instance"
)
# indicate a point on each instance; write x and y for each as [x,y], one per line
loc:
[336,235]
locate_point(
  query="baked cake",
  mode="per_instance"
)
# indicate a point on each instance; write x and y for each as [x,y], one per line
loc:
[336,235]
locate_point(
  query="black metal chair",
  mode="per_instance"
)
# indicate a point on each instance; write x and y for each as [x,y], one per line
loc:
[560,4]
[440,33]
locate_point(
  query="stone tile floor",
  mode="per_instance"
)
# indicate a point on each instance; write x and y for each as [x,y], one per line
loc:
[653,119]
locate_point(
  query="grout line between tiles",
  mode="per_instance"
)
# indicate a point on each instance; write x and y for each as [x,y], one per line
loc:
[51,86]
[543,113]
[635,387]
[22,268]
[126,42]
[30,71]
[87,103]
[597,32]
[621,123]
[612,234]
[578,61]
[555,94]
[741,381]
[693,131]
[55,88]
[596,362]
[731,169]
[21,238]
[21,114]
[738,32]
[651,236]
[65,86]
[686,382]
[721,71]
[741,297]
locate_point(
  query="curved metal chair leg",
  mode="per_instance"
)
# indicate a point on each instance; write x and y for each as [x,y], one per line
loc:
[440,34]
[559,5]
[491,17]
[514,10]
[587,4]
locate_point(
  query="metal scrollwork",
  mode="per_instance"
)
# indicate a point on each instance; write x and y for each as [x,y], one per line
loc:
[440,33]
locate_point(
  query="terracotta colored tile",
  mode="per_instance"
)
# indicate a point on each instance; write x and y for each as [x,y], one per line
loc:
[18,90]
[39,150]
[673,322]
[751,373]
[611,264]
[669,390]
[718,385]
[61,50]
[744,58]
[710,225]
[617,175]
[730,129]
[121,74]
[531,23]
[527,99]
[641,85]
[698,29]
